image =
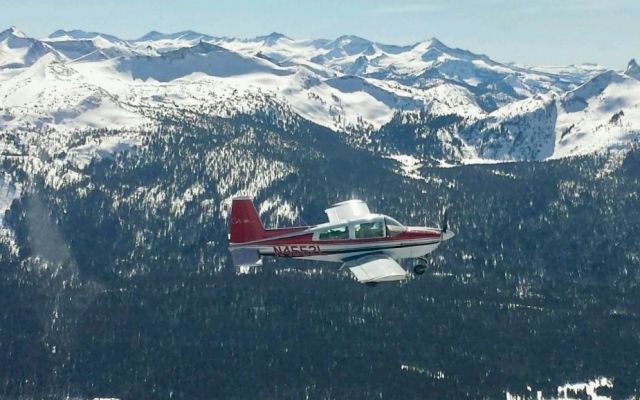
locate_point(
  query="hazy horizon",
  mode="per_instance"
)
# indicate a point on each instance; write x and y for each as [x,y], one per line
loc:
[544,33]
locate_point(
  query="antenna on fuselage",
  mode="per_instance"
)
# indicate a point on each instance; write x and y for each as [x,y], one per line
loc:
[301,220]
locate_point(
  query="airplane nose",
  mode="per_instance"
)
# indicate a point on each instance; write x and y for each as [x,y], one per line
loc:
[447,235]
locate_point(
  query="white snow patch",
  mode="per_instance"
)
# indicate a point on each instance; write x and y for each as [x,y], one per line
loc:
[502,173]
[409,165]
[9,191]
[283,210]
[436,375]
[570,391]
[81,156]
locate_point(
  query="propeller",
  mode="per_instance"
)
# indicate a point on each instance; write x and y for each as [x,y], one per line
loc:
[444,225]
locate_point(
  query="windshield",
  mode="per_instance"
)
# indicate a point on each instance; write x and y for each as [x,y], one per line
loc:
[393,227]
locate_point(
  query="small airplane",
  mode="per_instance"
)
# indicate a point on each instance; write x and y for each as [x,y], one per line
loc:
[368,244]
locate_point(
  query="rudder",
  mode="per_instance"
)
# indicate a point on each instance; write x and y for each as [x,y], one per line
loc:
[245,224]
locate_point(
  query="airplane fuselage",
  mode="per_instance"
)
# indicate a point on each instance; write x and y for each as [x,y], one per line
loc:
[306,243]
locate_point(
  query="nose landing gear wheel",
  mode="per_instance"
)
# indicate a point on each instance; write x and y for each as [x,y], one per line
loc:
[419,269]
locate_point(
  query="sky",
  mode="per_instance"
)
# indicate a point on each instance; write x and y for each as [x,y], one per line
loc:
[532,32]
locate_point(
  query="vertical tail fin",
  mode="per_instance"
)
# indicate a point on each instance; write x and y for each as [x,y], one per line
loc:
[245,224]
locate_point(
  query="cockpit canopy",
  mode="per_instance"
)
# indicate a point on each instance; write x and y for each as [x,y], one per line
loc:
[374,226]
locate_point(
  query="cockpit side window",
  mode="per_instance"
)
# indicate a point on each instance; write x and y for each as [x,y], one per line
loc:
[369,230]
[393,227]
[339,232]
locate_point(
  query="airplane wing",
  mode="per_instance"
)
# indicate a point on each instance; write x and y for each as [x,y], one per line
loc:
[376,268]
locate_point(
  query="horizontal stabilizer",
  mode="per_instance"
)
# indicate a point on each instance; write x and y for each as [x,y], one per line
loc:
[377,268]
[242,257]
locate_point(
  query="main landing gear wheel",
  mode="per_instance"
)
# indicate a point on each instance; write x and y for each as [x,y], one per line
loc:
[420,269]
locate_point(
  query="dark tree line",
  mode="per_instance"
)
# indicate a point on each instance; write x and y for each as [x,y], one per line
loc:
[123,287]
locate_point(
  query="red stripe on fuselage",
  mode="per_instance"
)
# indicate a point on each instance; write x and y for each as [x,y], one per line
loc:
[307,238]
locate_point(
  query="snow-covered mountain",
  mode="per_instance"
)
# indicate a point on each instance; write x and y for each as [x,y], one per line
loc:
[423,64]
[602,113]
[75,80]
[633,69]
[17,50]
[89,46]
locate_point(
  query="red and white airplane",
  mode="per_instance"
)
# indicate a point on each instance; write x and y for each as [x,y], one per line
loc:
[368,244]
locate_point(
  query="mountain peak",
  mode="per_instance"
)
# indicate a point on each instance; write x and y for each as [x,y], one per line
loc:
[347,45]
[432,43]
[152,35]
[633,69]
[204,47]
[435,42]
[351,39]
[184,35]
[192,35]
[200,48]
[12,31]
[271,38]
[74,33]
[58,33]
